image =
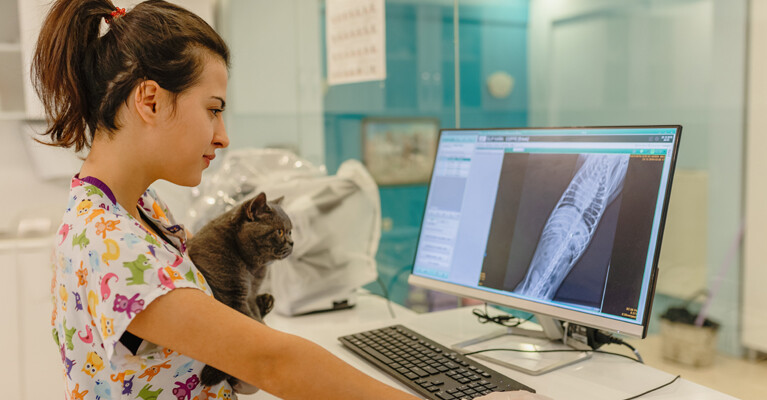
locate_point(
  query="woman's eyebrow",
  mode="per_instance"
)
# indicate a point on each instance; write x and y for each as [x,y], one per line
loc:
[223,102]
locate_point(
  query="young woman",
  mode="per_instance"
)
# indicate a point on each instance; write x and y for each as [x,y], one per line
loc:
[133,317]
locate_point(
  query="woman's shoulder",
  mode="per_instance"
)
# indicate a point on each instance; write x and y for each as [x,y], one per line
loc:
[92,222]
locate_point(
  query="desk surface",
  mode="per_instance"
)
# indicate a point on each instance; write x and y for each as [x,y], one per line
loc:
[601,377]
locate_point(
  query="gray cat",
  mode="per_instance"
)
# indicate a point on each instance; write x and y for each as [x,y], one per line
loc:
[233,251]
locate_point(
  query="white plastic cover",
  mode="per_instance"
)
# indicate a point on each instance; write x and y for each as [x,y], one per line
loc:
[336,223]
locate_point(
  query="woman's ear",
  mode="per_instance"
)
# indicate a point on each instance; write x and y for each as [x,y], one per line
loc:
[146,100]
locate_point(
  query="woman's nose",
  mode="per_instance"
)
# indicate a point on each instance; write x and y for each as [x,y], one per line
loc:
[220,138]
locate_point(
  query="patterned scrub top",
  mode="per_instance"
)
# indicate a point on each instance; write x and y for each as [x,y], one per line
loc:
[108,268]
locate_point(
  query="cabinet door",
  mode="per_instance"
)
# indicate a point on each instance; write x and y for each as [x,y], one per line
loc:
[41,369]
[9,318]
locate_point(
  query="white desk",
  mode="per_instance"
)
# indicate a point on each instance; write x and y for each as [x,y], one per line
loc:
[601,377]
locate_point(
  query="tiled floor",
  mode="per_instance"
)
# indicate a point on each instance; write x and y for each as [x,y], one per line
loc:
[740,378]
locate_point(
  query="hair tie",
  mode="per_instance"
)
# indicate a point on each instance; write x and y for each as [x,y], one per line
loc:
[118,12]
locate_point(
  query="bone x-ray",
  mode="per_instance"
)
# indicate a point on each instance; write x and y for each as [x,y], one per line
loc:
[557,221]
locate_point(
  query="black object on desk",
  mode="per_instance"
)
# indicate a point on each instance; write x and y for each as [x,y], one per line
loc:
[432,370]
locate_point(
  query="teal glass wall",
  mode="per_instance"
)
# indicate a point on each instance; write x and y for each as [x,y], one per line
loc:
[420,63]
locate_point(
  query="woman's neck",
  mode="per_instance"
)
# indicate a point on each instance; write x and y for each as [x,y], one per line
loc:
[120,168]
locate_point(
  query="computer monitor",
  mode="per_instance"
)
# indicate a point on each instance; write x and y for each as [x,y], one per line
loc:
[559,222]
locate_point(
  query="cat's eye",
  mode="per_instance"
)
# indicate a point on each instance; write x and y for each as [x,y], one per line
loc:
[280,232]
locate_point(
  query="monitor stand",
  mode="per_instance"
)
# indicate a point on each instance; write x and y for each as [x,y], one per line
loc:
[552,336]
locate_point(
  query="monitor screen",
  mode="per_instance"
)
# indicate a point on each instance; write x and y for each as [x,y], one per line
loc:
[564,222]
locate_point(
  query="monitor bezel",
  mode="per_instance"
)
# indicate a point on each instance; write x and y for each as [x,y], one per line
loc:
[560,313]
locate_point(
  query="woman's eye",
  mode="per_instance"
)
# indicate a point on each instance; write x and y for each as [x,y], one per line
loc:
[216,111]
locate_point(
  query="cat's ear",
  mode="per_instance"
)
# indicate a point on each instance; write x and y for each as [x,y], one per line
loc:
[279,200]
[256,206]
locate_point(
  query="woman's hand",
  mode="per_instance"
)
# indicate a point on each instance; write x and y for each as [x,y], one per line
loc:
[515,395]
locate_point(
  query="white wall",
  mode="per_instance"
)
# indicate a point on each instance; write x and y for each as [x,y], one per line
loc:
[276,85]
[755,252]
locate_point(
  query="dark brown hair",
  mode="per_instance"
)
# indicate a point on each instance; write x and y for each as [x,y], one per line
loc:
[83,77]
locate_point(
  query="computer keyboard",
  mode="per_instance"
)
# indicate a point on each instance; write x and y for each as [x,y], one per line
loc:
[432,370]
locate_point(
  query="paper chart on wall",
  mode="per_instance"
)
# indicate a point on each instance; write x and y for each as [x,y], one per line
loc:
[356,40]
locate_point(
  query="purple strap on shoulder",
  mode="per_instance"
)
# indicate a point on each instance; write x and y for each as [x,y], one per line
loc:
[101,185]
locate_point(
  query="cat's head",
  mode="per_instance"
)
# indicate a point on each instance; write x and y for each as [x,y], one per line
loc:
[265,228]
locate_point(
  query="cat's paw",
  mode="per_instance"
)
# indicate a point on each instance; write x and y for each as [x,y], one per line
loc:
[265,303]
[211,376]
[242,387]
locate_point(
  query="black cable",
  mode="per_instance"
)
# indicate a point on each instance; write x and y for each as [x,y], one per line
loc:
[636,352]
[503,320]
[386,295]
[652,390]
[597,338]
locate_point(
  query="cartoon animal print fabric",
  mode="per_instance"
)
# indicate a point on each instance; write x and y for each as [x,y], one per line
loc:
[108,269]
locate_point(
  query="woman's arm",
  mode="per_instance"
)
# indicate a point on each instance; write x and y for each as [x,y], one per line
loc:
[201,327]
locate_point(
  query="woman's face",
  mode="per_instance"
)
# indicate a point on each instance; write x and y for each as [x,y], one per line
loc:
[196,129]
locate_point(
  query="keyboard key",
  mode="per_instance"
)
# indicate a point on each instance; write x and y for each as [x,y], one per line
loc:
[376,354]
[411,376]
[445,396]
[431,370]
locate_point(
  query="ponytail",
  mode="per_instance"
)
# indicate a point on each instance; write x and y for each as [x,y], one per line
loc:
[58,73]
[83,77]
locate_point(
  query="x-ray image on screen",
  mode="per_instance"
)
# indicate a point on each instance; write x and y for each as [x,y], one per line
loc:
[572,224]
[573,228]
